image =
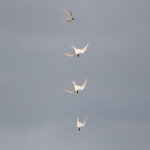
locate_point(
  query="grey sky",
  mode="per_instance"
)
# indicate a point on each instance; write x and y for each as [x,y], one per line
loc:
[35,113]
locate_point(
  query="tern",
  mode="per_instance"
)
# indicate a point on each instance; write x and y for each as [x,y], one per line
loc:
[77,51]
[77,88]
[68,15]
[80,124]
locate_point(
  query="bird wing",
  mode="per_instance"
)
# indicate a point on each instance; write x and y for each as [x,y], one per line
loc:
[84,123]
[67,12]
[74,48]
[83,49]
[79,124]
[83,85]
[69,91]
[69,54]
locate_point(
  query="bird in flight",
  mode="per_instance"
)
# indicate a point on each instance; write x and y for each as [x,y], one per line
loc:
[68,15]
[77,51]
[80,124]
[77,88]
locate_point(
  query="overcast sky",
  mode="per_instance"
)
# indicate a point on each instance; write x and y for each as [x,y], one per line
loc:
[36,114]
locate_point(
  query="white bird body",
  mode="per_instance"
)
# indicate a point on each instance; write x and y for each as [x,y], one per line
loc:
[77,51]
[80,124]
[68,15]
[77,88]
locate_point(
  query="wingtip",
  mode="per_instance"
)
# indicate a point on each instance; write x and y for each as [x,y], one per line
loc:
[88,43]
[72,46]
[61,7]
[64,54]
[66,91]
[86,82]
[86,116]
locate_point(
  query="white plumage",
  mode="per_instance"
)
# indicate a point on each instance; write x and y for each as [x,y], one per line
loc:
[77,51]
[77,88]
[68,15]
[80,124]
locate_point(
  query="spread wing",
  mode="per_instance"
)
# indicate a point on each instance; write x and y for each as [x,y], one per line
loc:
[69,54]
[67,12]
[84,123]
[74,48]
[69,91]
[77,123]
[83,85]
[83,49]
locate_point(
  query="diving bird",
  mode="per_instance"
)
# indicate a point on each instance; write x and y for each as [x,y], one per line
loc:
[77,88]
[80,124]
[77,51]
[68,15]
